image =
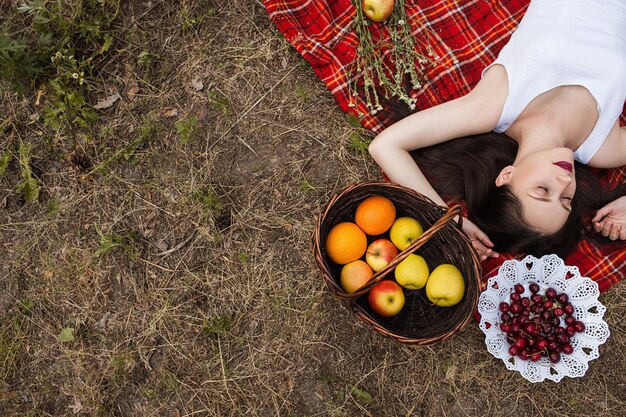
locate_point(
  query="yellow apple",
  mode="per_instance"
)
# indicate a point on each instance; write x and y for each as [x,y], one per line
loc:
[377,10]
[412,272]
[386,298]
[354,275]
[445,286]
[379,253]
[404,231]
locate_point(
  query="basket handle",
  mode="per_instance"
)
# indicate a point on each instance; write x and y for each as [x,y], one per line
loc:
[449,215]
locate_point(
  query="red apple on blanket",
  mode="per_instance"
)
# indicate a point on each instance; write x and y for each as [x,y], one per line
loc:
[377,10]
[379,253]
[386,298]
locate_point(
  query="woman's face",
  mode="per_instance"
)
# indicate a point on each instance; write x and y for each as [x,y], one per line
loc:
[545,184]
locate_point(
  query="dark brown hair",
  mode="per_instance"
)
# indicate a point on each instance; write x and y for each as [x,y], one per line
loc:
[466,169]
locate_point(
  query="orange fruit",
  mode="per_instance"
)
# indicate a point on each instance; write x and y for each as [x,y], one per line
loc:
[345,243]
[375,215]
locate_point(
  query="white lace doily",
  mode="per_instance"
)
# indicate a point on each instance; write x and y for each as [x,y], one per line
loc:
[549,271]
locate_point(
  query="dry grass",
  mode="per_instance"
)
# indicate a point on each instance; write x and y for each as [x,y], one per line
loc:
[186,272]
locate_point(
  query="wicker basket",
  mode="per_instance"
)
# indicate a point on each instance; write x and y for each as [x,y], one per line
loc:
[419,322]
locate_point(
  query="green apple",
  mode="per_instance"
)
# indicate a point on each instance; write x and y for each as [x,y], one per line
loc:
[412,272]
[445,286]
[386,298]
[404,231]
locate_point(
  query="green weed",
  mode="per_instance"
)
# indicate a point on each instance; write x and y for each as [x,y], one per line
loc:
[187,129]
[302,93]
[5,158]
[306,186]
[217,326]
[208,200]
[29,186]
[219,102]
[358,143]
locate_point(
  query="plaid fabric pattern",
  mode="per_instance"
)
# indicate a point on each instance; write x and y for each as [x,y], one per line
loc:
[474,31]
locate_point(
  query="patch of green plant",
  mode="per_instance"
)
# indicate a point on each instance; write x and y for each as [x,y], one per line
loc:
[217,326]
[54,205]
[208,200]
[191,22]
[66,335]
[302,93]
[35,30]
[26,306]
[219,102]
[358,143]
[145,59]
[306,186]
[113,241]
[5,158]
[29,186]
[187,129]
[347,388]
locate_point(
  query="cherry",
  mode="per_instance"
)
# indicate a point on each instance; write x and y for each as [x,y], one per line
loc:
[562,298]
[548,328]
[515,297]
[535,356]
[548,304]
[546,315]
[519,288]
[570,330]
[541,344]
[579,326]
[562,338]
[551,293]
[536,298]
[569,320]
[568,309]
[523,354]
[504,307]
[529,328]
[505,317]
[513,350]
[534,288]
[516,308]
[520,342]
[516,327]
[505,327]
[555,357]
[525,301]
[556,321]
[557,312]
[567,349]
[552,345]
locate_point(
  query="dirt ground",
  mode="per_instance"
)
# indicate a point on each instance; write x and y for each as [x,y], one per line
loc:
[183,270]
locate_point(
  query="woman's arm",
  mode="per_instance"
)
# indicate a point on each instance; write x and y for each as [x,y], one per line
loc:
[476,112]
[612,153]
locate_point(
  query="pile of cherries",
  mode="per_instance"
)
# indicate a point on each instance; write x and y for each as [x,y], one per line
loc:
[539,325]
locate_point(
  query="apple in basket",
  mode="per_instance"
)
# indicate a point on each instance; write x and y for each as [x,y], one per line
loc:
[379,253]
[386,298]
[377,10]
[404,231]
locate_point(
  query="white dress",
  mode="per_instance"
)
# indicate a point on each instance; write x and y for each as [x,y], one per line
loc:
[568,42]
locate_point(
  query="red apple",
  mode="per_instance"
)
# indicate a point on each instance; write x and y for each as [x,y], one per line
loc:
[386,298]
[379,253]
[354,275]
[377,10]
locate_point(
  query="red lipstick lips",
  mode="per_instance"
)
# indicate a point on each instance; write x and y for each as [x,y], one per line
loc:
[565,165]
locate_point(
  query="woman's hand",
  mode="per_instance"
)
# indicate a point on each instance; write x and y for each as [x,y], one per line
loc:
[610,220]
[479,239]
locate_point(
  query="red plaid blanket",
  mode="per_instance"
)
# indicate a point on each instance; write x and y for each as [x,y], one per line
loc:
[474,32]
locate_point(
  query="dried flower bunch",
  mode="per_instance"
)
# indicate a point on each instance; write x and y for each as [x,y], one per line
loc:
[390,63]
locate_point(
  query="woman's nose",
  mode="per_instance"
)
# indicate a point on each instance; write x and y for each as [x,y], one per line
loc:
[566,179]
